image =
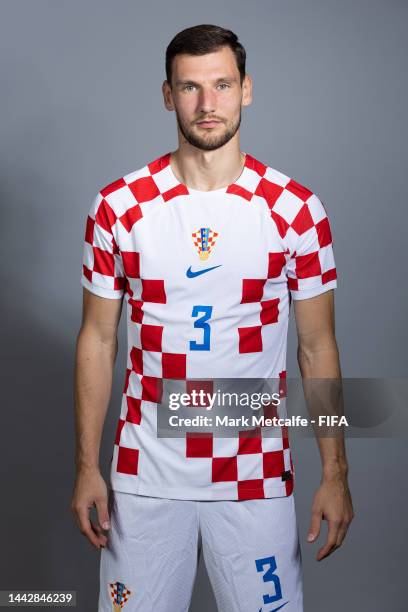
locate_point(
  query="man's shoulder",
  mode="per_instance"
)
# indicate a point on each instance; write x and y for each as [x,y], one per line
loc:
[279,179]
[285,196]
[139,183]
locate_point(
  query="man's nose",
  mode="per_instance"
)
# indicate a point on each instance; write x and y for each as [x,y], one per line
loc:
[207,101]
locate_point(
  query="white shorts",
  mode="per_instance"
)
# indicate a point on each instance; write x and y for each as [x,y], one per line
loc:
[250,547]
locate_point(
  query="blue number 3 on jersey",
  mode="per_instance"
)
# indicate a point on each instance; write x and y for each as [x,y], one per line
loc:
[201,323]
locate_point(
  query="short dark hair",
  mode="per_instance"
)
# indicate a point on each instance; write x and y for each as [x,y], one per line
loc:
[202,39]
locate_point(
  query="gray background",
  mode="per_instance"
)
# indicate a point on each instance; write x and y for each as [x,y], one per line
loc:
[81,107]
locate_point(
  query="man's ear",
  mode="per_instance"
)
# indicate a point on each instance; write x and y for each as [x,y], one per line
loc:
[247,90]
[167,96]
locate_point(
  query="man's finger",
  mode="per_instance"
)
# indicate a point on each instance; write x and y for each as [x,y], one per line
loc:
[342,533]
[331,540]
[103,514]
[315,525]
[85,526]
[100,534]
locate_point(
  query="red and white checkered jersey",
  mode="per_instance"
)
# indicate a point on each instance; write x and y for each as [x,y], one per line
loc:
[208,279]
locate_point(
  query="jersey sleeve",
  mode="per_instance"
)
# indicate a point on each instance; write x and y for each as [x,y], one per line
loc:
[102,265]
[311,269]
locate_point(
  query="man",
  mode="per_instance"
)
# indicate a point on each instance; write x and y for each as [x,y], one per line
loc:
[208,246]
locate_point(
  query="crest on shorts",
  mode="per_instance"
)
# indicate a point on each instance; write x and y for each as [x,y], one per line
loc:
[119,594]
[204,240]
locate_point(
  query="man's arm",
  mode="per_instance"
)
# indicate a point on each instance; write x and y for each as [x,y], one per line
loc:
[318,358]
[96,351]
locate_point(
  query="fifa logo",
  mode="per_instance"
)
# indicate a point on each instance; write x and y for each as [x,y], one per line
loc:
[204,240]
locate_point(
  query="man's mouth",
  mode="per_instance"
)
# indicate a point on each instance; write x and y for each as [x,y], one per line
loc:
[208,123]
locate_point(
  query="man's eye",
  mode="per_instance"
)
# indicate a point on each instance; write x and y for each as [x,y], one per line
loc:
[223,85]
[186,87]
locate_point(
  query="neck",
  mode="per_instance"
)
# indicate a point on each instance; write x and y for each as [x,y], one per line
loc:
[207,170]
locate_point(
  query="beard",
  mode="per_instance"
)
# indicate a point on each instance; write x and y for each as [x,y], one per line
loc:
[208,142]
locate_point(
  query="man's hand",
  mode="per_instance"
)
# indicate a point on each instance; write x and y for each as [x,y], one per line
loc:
[332,502]
[91,490]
